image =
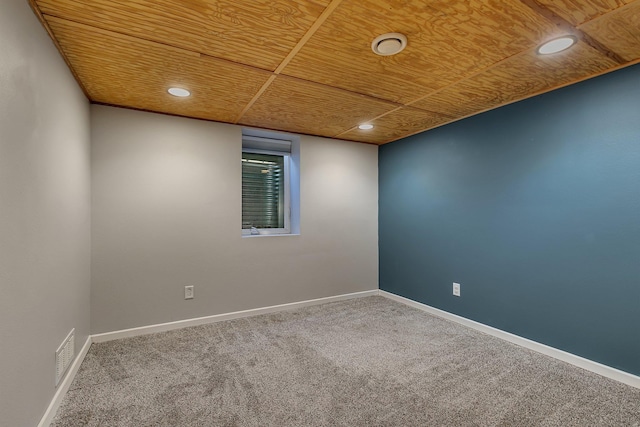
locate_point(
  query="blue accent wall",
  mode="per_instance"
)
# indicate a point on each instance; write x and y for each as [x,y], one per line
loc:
[534,208]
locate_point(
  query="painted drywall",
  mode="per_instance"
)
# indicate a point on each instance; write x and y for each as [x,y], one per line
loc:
[44,213]
[534,208]
[166,213]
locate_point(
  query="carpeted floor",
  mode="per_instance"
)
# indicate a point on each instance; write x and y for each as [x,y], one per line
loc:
[362,362]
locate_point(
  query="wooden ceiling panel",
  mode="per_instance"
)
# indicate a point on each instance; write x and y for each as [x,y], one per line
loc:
[517,78]
[125,71]
[255,32]
[447,41]
[398,123]
[306,66]
[618,30]
[577,12]
[299,106]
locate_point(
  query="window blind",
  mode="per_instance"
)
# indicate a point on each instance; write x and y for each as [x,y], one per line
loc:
[264,182]
[262,191]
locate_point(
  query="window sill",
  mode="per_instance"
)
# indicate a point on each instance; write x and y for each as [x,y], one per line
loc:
[244,236]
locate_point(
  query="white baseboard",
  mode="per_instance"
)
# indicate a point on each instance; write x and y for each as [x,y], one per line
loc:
[163,327]
[64,385]
[581,362]
[578,361]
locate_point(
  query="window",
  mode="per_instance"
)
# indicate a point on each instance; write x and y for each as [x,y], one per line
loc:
[266,185]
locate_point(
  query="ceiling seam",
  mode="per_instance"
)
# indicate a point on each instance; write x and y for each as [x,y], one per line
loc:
[102,30]
[537,9]
[205,56]
[401,107]
[600,47]
[411,107]
[454,119]
[340,89]
[608,14]
[371,120]
[398,113]
[188,52]
[467,77]
[612,13]
[565,25]
[144,110]
[310,32]
[235,64]
[227,61]
[540,92]
[258,94]
[410,103]
[45,24]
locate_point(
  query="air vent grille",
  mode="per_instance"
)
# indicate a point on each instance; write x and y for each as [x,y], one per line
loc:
[64,355]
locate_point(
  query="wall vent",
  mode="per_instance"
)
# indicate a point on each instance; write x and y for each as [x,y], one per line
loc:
[65,354]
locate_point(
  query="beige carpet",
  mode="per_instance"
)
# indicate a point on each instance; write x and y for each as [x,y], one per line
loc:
[363,362]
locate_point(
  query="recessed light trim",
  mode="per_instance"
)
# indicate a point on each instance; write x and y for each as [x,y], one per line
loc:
[365,126]
[389,44]
[557,45]
[179,92]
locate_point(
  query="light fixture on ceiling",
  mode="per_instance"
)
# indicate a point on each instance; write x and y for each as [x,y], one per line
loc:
[557,45]
[389,44]
[365,126]
[179,92]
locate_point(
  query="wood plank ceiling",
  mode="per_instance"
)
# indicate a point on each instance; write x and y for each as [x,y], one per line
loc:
[306,66]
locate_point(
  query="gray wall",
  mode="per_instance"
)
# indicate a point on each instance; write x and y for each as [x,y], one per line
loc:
[167,213]
[535,209]
[44,213]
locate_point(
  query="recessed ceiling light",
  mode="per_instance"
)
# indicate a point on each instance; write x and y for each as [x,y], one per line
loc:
[365,126]
[389,44]
[177,91]
[557,45]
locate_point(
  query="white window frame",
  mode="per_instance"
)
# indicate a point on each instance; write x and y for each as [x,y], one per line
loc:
[246,232]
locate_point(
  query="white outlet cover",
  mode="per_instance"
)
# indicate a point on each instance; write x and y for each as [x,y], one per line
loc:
[456,289]
[188,292]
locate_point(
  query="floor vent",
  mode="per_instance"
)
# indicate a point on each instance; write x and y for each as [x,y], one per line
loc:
[64,355]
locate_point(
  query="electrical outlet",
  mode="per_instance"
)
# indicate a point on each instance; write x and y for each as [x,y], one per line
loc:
[188,292]
[456,289]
